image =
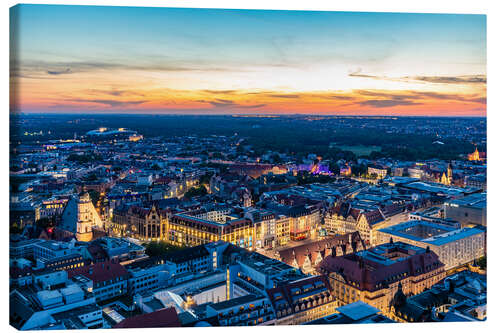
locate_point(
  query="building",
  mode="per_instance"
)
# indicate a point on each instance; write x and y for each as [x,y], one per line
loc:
[146,224]
[265,227]
[188,230]
[454,246]
[307,256]
[282,227]
[304,214]
[64,263]
[304,219]
[476,156]
[302,301]
[477,181]
[248,310]
[51,207]
[229,289]
[469,210]
[120,249]
[459,297]
[347,217]
[354,313]
[380,172]
[81,218]
[109,279]
[373,275]
[53,302]
[50,250]
[447,178]
[162,318]
[153,273]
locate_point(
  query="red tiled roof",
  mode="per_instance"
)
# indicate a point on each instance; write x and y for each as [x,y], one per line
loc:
[373,216]
[161,318]
[97,252]
[313,249]
[99,272]
[369,274]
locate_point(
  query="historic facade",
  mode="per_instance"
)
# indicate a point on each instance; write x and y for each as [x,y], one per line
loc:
[81,218]
[373,275]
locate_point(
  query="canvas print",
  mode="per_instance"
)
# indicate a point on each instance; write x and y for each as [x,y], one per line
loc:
[184,167]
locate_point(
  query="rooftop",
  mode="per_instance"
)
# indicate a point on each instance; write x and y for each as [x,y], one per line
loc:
[477,200]
[235,302]
[430,232]
[358,310]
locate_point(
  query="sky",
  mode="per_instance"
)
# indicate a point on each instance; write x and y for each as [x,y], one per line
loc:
[91,59]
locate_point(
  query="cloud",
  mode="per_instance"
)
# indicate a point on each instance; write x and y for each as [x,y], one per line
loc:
[454,97]
[283,95]
[481,100]
[357,73]
[460,79]
[66,71]
[412,94]
[386,103]
[220,92]
[40,69]
[113,92]
[224,103]
[108,102]
[340,97]
[251,106]
[450,79]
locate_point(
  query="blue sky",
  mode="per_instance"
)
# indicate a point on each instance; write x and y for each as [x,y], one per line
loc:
[283,50]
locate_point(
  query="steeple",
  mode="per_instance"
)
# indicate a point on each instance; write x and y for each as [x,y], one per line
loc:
[399,298]
[474,156]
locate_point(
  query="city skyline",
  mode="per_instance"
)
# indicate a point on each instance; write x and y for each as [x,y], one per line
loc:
[90,59]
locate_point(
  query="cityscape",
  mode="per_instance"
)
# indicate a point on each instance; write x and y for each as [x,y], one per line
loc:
[262,181]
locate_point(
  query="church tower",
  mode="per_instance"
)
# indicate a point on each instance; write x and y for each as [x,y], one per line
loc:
[450,174]
[447,178]
[80,217]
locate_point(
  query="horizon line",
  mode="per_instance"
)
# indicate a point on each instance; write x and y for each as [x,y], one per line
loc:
[239,114]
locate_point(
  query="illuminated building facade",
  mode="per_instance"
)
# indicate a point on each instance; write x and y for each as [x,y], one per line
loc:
[303,220]
[373,275]
[379,171]
[282,230]
[80,217]
[147,224]
[303,301]
[344,218]
[186,230]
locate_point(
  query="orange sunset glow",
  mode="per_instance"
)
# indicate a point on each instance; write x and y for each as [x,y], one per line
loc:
[196,63]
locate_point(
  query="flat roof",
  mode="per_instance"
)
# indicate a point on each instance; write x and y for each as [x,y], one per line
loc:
[379,253]
[358,310]
[236,301]
[435,188]
[449,234]
[477,200]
